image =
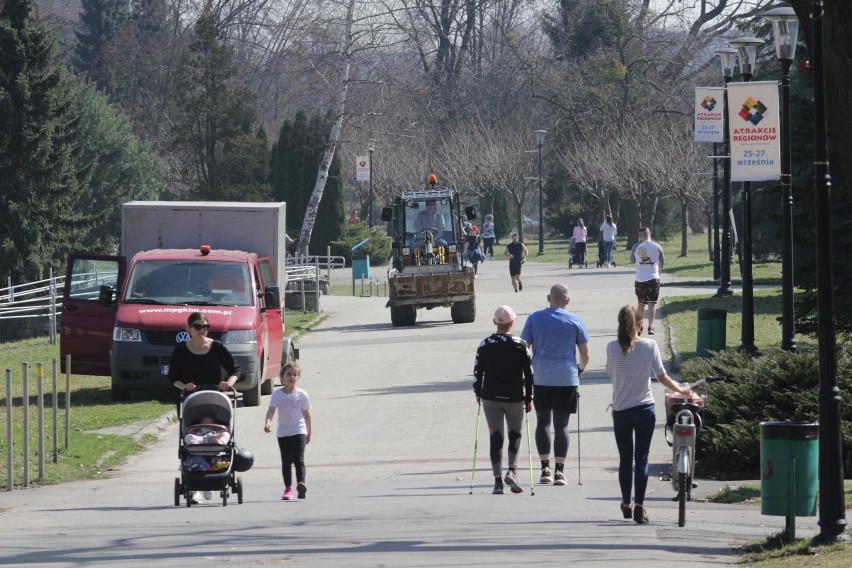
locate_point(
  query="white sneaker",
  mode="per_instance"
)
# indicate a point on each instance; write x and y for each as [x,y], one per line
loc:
[208,495]
[196,497]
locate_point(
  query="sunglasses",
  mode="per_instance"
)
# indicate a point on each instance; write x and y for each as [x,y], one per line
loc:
[200,326]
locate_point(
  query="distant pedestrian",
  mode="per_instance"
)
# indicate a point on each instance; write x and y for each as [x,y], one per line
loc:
[648,257]
[472,248]
[630,364]
[354,219]
[504,387]
[517,253]
[488,235]
[294,428]
[608,232]
[579,234]
[555,336]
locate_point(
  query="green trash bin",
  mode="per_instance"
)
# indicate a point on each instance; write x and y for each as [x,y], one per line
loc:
[789,460]
[711,331]
[361,268]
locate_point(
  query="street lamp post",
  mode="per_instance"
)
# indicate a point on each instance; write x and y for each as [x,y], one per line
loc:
[716,251]
[785,28]
[727,58]
[371,146]
[832,510]
[747,54]
[539,135]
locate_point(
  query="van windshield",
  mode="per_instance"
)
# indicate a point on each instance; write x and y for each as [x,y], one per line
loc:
[189,282]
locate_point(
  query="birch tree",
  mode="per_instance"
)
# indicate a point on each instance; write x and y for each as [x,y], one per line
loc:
[337,125]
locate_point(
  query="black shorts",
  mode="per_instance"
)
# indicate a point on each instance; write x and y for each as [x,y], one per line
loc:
[647,292]
[555,398]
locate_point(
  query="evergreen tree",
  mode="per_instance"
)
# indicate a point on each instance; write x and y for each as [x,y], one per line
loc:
[98,19]
[118,166]
[38,181]
[142,57]
[215,117]
[294,163]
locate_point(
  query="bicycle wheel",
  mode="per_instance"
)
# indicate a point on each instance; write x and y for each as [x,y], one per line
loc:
[682,492]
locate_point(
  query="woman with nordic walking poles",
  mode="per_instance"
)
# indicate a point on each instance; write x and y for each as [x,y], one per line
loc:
[630,363]
[504,387]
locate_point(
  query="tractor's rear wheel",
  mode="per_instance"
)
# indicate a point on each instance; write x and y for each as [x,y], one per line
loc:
[403,315]
[463,312]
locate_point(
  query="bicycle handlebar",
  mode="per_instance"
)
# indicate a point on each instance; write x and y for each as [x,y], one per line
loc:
[703,380]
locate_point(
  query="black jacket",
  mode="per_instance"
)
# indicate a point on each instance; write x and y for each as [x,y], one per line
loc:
[503,369]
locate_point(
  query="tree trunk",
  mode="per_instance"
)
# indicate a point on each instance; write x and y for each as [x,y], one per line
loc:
[331,146]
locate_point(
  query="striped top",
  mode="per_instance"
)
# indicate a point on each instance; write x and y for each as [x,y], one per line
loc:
[631,373]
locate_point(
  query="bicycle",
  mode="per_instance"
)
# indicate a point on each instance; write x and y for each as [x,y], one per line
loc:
[683,424]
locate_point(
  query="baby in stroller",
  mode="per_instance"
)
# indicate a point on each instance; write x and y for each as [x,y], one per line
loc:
[207,431]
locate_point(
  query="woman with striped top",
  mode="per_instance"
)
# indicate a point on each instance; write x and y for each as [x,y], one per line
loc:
[630,364]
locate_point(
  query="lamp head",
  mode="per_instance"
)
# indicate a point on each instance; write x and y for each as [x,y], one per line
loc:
[539,136]
[728,59]
[747,50]
[785,31]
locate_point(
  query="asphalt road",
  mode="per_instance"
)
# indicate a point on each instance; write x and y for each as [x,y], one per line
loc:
[389,466]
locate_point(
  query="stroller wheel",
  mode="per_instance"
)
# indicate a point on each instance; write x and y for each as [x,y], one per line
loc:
[239,490]
[178,491]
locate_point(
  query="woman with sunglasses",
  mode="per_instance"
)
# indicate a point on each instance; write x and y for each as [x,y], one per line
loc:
[200,360]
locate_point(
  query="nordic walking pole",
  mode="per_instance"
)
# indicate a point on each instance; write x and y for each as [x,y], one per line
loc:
[579,475]
[529,452]
[475,446]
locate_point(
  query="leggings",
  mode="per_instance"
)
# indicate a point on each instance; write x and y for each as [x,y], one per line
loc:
[292,454]
[560,432]
[495,413]
[638,421]
[488,245]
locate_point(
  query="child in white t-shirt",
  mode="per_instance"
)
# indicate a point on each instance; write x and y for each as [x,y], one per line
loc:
[294,428]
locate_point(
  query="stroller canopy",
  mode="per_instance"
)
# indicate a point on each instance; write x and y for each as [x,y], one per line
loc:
[208,404]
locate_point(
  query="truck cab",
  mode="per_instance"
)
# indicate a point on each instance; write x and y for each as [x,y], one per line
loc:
[125,323]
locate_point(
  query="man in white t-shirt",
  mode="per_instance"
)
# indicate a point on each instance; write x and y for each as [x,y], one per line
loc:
[648,257]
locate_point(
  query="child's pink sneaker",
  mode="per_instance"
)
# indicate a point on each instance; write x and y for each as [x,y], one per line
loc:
[288,493]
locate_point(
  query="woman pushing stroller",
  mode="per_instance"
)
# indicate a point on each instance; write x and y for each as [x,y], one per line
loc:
[199,361]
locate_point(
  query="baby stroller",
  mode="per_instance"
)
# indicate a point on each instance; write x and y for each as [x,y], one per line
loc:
[575,256]
[602,254]
[208,455]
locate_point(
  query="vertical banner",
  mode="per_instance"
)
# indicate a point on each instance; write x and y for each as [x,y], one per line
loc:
[753,112]
[709,120]
[362,168]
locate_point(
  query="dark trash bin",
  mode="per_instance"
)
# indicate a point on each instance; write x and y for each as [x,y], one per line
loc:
[711,331]
[789,470]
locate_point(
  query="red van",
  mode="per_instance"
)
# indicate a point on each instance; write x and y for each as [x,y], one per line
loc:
[126,324]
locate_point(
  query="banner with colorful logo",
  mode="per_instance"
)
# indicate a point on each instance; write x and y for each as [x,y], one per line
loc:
[709,120]
[362,168]
[753,114]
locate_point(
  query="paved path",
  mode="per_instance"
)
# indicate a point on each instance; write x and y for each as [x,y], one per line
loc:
[390,464]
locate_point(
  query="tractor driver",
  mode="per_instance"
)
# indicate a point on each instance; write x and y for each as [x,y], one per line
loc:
[430,219]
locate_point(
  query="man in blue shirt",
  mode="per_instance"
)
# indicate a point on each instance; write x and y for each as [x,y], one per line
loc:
[556,336]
